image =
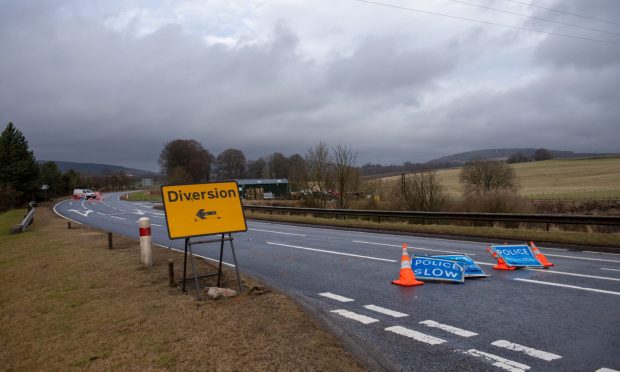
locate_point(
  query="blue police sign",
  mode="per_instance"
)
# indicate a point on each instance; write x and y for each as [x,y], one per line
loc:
[437,269]
[517,255]
[471,269]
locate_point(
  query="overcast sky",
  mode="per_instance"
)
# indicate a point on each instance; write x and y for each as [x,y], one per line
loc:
[113,81]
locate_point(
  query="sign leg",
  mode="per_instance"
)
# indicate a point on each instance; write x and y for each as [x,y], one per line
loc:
[191,258]
[185,263]
[232,248]
[219,270]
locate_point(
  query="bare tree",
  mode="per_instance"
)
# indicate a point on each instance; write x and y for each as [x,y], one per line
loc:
[185,161]
[482,177]
[542,154]
[346,175]
[256,169]
[297,172]
[319,173]
[230,164]
[423,192]
[278,166]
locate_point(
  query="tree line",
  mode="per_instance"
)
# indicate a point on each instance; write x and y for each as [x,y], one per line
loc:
[21,176]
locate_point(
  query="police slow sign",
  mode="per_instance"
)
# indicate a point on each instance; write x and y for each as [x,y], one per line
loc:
[437,269]
[471,269]
[517,255]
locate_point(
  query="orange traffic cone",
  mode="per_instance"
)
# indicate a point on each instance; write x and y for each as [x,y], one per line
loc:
[407,277]
[541,257]
[501,264]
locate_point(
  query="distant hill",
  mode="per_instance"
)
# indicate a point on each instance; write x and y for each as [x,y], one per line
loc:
[500,154]
[94,169]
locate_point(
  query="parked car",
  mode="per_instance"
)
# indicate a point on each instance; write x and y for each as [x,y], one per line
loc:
[84,193]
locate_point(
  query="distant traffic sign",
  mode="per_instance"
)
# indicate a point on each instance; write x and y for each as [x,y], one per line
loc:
[472,270]
[517,255]
[438,269]
[203,209]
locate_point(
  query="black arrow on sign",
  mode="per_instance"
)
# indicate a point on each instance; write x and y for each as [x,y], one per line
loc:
[203,215]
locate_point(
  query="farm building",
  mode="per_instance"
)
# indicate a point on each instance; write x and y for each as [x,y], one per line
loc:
[263,188]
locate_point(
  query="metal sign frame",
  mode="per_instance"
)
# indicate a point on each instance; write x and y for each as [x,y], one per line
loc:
[223,238]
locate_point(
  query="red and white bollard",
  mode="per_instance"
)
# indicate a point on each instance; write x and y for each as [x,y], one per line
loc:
[146,253]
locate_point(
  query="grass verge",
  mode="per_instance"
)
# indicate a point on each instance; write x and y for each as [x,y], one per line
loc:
[68,302]
[145,195]
[552,236]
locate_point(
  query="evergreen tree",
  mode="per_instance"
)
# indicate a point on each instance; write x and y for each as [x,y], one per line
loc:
[18,168]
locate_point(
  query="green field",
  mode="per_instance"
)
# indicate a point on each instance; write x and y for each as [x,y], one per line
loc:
[572,179]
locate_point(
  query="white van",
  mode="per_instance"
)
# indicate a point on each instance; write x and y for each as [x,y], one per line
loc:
[84,193]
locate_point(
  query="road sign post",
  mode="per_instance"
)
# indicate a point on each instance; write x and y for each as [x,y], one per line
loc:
[200,210]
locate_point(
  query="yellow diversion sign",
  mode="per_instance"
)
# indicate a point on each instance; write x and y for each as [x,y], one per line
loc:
[203,209]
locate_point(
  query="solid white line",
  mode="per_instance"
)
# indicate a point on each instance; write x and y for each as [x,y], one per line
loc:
[351,315]
[385,311]
[568,286]
[573,274]
[332,252]
[118,218]
[582,258]
[336,297]
[613,254]
[526,350]
[154,224]
[603,268]
[413,248]
[418,336]
[500,362]
[278,232]
[447,328]
[197,255]
[66,218]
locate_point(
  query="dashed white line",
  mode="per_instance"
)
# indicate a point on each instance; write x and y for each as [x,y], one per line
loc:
[604,268]
[414,248]
[118,218]
[544,355]
[358,317]
[382,310]
[418,336]
[573,274]
[567,286]
[278,232]
[448,328]
[582,258]
[331,252]
[154,224]
[500,362]
[336,297]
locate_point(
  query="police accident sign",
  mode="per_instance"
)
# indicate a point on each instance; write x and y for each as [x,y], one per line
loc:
[517,255]
[203,209]
[437,269]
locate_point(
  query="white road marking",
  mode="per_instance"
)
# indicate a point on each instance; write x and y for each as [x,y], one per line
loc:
[154,224]
[118,218]
[604,268]
[526,350]
[567,286]
[138,212]
[331,252]
[447,328]
[336,297]
[55,211]
[573,274]
[606,370]
[351,315]
[385,311]
[278,232]
[613,254]
[197,255]
[582,258]
[500,362]
[85,213]
[418,336]
[413,248]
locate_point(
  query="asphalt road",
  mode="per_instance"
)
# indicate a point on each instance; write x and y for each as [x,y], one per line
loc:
[566,318]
